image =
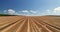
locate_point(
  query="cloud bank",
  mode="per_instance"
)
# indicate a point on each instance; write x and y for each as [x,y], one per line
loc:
[23,12]
[10,11]
[55,11]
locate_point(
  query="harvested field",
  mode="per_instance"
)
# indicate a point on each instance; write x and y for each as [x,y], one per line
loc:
[29,24]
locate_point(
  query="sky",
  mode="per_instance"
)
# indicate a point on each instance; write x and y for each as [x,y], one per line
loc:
[30,7]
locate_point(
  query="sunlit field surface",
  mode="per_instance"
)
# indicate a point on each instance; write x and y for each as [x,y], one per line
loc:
[29,24]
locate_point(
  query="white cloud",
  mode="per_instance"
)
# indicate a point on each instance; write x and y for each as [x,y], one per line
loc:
[57,10]
[25,11]
[22,12]
[11,11]
[33,11]
[28,12]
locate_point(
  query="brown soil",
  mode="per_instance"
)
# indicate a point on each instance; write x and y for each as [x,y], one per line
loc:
[29,24]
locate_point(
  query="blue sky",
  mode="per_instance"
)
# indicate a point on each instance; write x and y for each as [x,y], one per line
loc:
[30,7]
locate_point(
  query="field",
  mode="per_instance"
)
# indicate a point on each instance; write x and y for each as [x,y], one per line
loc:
[29,24]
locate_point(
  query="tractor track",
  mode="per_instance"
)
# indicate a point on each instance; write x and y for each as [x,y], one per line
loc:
[28,24]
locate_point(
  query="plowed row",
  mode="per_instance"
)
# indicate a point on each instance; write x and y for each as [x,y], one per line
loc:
[29,24]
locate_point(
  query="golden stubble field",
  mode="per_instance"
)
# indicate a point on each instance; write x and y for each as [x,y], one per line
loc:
[29,24]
